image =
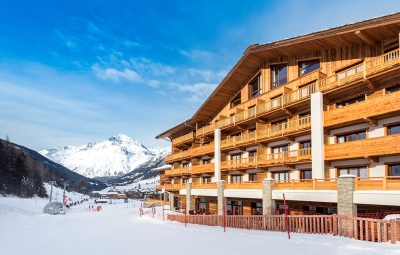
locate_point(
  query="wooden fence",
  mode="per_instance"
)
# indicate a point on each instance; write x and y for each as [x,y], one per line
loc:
[372,230]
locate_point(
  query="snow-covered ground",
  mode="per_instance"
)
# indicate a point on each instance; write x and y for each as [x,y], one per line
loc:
[119,229]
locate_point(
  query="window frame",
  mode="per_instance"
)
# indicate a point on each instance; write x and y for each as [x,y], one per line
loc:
[300,62]
[392,89]
[276,84]
[236,100]
[286,173]
[347,134]
[301,173]
[357,167]
[257,80]
[389,169]
[350,101]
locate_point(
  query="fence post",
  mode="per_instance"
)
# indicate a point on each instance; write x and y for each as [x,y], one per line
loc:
[393,231]
[335,224]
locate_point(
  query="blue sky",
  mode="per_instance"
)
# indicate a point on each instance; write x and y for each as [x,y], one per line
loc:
[72,72]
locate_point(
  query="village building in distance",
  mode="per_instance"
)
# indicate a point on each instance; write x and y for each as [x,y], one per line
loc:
[314,118]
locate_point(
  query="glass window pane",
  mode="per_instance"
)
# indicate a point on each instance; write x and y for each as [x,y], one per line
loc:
[395,170]
[362,135]
[341,139]
[353,171]
[342,172]
[363,172]
[394,130]
[352,137]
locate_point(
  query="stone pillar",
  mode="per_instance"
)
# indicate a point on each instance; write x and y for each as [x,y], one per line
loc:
[345,195]
[171,201]
[189,197]
[317,135]
[267,201]
[217,155]
[220,197]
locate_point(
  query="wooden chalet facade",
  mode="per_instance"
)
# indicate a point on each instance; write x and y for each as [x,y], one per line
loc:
[315,117]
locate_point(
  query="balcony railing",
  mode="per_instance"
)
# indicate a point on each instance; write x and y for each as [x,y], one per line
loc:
[245,115]
[306,184]
[182,139]
[270,105]
[173,187]
[179,171]
[211,185]
[179,156]
[203,150]
[378,183]
[284,128]
[203,168]
[370,147]
[244,185]
[239,163]
[160,187]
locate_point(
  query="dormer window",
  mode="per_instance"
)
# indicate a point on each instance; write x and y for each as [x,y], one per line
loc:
[308,66]
[236,100]
[255,87]
[279,75]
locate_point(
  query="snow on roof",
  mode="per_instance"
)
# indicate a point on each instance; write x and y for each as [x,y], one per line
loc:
[161,168]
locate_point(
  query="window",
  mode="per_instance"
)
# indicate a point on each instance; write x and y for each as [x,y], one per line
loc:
[202,205]
[236,100]
[357,171]
[253,177]
[236,178]
[255,87]
[350,101]
[281,176]
[279,75]
[206,161]
[277,126]
[206,179]
[256,208]
[393,129]
[234,207]
[185,165]
[305,148]
[281,148]
[305,174]
[185,180]
[358,135]
[393,89]
[308,66]
[394,170]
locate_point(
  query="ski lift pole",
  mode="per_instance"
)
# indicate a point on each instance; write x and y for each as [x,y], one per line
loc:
[286,216]
[184,211]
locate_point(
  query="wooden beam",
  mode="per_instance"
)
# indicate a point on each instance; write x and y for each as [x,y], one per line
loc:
[366,38]
[288,138]
[371,121]
[327,163]
[288,166]
[291,114]
[372,159]
[370,84]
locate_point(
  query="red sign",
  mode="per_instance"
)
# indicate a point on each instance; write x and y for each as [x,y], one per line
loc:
[64,199]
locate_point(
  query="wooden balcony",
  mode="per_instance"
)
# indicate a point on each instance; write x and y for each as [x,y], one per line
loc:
[188,138]
[227,122]
[178,156]
[203,150]
[205,186]
[244,163]
[308,184]
[378,183]
[179,171]
[245,115]
[203,168]
[274,104]
[160,187]
[244,185]
[372,147]
[348,75]
[284,157]
[374,108]
[284,129]
[383,62]
[206,130]
[173,187]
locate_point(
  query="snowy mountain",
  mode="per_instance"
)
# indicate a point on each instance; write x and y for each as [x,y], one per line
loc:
[115,156]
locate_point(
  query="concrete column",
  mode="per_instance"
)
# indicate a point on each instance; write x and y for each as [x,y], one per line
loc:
[317,136]
[171,201]
[189,197]
[267,201]
[345,195]
[217,155]
[220,198]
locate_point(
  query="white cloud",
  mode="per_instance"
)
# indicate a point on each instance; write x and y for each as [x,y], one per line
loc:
[198,89]
[115,75]
[198,54]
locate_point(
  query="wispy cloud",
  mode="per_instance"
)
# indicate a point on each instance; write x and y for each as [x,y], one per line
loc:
[198,54]
[116,75]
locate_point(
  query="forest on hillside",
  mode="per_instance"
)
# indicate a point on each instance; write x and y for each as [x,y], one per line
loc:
[23,174]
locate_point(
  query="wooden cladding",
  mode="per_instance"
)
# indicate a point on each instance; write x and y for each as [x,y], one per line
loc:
[378,146]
